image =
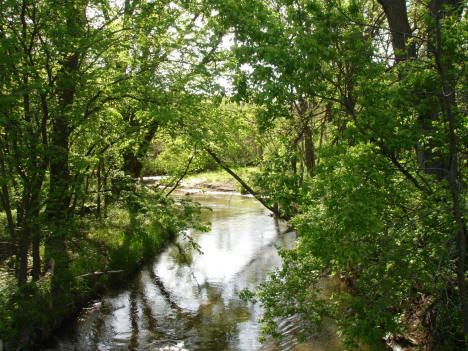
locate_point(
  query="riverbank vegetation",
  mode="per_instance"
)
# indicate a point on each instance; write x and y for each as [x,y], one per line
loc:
[103,253]
[353,115]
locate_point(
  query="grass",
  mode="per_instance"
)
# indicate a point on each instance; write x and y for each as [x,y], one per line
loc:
[28,315]
[219,176]
[120,242]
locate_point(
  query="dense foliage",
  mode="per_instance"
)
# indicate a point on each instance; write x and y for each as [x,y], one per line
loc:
[353,111]
[373,94]
[85,86]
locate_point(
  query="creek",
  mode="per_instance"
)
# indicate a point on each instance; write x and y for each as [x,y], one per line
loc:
[184,300]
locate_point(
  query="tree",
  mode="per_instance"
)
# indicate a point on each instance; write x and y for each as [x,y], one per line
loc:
[85,86]
[69,68]
[380,105]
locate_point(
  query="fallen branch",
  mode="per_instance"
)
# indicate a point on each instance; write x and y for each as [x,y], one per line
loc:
[95,274]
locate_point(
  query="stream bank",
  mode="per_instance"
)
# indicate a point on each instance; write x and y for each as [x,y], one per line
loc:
[197,183]
[109,253]
[187,301]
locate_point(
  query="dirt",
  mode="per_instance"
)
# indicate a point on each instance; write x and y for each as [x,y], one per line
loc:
[198,184]
[202,184]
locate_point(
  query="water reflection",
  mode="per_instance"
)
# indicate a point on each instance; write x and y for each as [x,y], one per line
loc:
[188,301]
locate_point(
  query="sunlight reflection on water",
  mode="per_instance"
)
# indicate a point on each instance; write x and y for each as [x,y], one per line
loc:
[191,302]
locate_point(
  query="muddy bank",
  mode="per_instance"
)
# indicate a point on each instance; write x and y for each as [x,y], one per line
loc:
[199,184]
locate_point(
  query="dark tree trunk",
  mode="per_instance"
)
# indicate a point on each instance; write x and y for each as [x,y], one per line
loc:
[133,165]
[34,222]
[447,100]
[29,233]
[397,17]
[309,150]
[36,245]
[294,165]
[58,206]
[133,160]
[99,186]
[23,248]
[429,161]
[6,203]
[105,186]
[59,197]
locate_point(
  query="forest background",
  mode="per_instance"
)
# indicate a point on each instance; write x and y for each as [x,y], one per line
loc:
[352,115]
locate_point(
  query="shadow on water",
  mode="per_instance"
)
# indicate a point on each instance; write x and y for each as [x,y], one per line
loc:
[134,319]
[187,301]
[159,284]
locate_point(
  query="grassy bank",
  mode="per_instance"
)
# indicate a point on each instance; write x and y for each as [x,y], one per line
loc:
[219,179]
[104,252]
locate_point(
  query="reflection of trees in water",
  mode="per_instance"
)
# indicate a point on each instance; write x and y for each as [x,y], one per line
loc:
[182,253]
[98,325]
[134,317]
[162,289]
[152,323]
[214,324]
[211,327]
[91,324]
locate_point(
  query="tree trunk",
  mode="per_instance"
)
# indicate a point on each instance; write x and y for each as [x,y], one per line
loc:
[397,17]
[99,186]
[133,163]
[59,197]
[309,150]
[6,203]
[429,160]
[36,245]
[105,186]
[34,222]
[447,99]
[23,248]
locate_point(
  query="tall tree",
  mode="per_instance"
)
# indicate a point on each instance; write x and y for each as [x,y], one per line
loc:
[379,105]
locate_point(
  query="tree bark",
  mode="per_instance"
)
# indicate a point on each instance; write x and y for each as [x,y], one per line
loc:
[309,150]
[6,203]
[23,248]
[133,160]
[99,185]
[397,17]
[447,100]
[429,160]
[59,197]
[36,245]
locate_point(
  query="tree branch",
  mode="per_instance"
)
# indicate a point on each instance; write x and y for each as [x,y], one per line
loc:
[241,182]
[97,274]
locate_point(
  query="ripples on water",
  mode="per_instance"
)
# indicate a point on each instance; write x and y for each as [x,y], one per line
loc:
[187,301]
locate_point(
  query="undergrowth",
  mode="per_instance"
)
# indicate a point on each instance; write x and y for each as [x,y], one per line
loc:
[114,243]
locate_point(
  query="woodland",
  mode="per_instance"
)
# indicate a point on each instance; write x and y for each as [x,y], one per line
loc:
[351,116]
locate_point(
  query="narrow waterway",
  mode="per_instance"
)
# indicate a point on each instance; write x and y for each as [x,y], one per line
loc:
[189,301]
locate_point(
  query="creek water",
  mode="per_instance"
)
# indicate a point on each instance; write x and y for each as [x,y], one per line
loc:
[184,300]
